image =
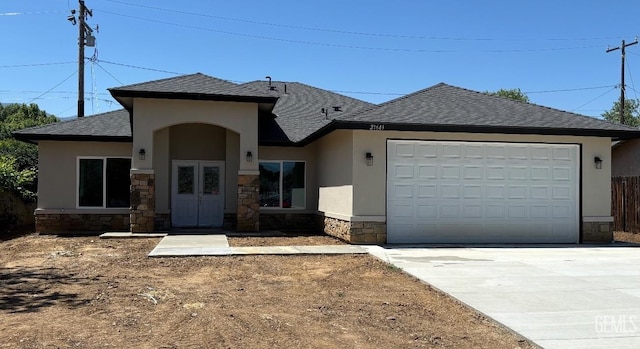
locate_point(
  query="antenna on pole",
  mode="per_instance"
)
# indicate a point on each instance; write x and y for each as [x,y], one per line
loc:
[85,38]
[622,85]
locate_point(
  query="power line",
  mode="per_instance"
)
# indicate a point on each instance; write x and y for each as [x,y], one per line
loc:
[593,99]
[570,89]
[324,44]
[633,86]
[402,36]
[111,75]
[138,67]
[29,13]
[34,64]
[49,90]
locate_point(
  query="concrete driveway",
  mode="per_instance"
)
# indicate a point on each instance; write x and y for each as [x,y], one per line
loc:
[559,297]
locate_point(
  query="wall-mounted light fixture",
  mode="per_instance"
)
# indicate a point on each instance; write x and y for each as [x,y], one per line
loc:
[369,158]
[249,156]
[142,154]
[598,162]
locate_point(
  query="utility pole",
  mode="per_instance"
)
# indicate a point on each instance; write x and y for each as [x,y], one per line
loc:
[84,39]
[622,85]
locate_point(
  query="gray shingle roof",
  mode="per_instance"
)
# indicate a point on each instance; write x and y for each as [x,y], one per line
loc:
[299,111]
[197,83]
[111,125]
[446,105]
[297,115]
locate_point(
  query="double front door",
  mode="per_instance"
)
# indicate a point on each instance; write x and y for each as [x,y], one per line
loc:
[197,193]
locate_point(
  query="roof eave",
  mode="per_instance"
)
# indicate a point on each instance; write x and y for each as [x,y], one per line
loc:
[116,93]
[34,138]
[362,125]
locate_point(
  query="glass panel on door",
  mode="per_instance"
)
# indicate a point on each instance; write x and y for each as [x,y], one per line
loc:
[186,179]
[211,180]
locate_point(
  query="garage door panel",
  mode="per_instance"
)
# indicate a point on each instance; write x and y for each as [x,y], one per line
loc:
[426,191]
[473,172]
[496,172]
[450,172]
[539,173]
[472,191]
[482,192]
[401,191]
[426,172]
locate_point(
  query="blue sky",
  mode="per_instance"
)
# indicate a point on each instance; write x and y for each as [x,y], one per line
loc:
[381,50]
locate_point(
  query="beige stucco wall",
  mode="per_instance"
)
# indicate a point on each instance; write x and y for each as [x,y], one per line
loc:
[335,174]
[194,142]
[57,163]
[306,154]
[625,160]
[369,188]
[151,115]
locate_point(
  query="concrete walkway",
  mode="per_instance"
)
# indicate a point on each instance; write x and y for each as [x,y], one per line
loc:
[559,297]
[217,245]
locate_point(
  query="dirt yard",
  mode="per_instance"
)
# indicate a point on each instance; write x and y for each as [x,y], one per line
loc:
[83,292]
[622,236]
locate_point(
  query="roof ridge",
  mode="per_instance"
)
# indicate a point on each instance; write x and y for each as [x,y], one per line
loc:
[155,81]
[377,106]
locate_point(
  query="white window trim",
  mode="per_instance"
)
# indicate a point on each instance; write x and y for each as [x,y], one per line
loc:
[104,181]
[280,186]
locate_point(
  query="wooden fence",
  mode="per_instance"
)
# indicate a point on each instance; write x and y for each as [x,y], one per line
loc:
[625,204]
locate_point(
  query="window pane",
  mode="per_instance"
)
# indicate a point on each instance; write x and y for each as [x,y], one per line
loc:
[211,180]
[293,191]
[270,184]
[90,182]
[185,179]
[118,182]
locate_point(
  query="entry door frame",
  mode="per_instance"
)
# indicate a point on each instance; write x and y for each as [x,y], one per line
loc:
[198,166]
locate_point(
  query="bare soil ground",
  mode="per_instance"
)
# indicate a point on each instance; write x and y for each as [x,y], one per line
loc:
[622,236]
[83,292]
[292,240]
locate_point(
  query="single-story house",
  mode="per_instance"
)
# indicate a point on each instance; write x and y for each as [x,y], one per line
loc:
[441,165]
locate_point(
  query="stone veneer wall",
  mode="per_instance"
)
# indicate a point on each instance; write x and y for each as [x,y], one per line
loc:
[248,216]
[60,223]
[597,232]
[143,202]
[355,232]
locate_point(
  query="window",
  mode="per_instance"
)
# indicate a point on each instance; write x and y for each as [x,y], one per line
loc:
[282,184]
[103,182]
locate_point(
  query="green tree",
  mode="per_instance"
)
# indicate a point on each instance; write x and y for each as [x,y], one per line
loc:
[513,93]
[19,160]
[631,112]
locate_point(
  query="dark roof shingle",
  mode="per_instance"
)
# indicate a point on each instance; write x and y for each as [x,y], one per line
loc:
[299,111]
[446,105]
[112,125]
[193,84]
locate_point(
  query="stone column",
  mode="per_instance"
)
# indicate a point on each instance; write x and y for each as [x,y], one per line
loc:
[248,202]
[143,201]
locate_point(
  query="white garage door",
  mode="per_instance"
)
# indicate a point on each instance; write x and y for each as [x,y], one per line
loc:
[474,192]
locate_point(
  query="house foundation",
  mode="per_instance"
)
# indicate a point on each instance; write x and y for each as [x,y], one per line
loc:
[142,210]
[597,232]
[354,232]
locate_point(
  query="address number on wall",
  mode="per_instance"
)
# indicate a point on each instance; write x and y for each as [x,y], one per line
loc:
[374,127]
